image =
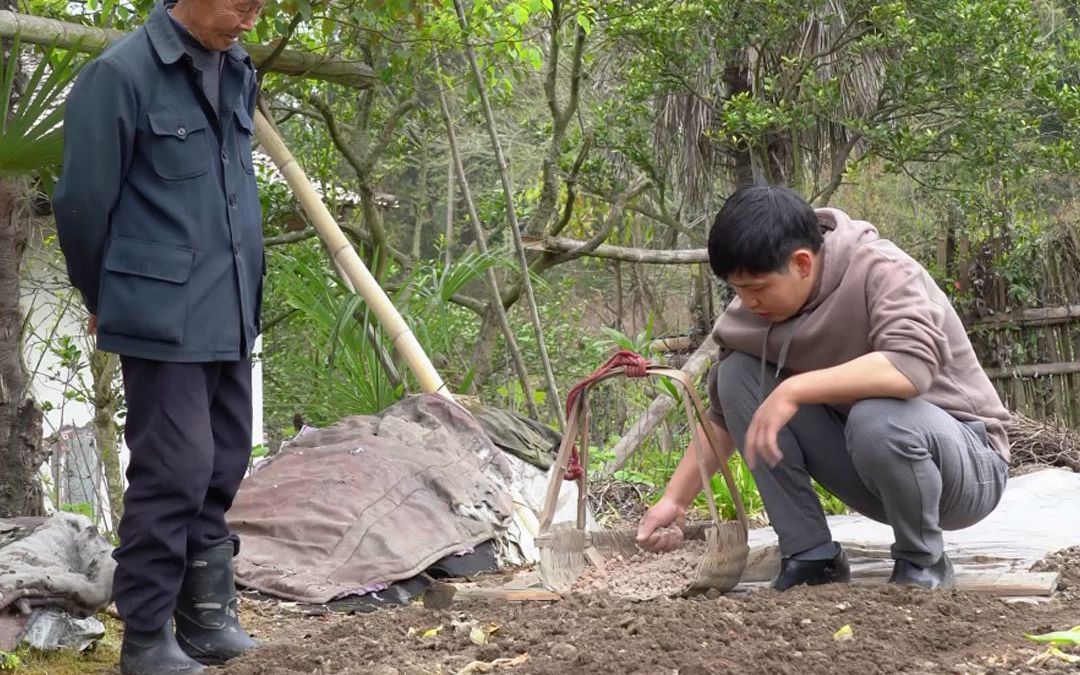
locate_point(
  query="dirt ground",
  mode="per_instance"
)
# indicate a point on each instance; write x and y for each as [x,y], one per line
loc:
[1068,563]
[892,630]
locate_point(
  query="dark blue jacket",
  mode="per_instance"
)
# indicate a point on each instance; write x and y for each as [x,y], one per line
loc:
[157,211]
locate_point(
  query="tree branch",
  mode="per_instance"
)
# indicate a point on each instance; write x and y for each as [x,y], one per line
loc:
[563,120]
[359,235]
[330,120]
[268,62]
[478,307]
[836,176]
[270,324]
[842,40]
[554,400]
[52,33]
[660,207]
[609,223]
[362,166]
[551,77]
[664,219]
[387,133]
[571,188]
[290,111]
[559,245]
[496,305]
[560,119]
[290,237]
[354,233]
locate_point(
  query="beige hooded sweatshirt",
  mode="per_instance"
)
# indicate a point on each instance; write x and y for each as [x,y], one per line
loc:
[872,297]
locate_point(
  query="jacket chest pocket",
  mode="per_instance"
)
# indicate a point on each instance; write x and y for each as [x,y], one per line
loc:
[179,147]
[244,129]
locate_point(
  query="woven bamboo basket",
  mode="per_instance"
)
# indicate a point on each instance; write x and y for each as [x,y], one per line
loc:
[566,549]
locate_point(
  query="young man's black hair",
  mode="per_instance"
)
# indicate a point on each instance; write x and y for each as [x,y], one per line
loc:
[758,229]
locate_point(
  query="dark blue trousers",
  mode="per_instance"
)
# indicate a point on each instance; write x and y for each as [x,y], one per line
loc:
[189,432]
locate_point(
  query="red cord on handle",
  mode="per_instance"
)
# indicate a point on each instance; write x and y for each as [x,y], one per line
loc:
[633,365]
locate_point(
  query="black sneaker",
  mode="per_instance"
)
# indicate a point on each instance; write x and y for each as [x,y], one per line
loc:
[939,575]
[812,572]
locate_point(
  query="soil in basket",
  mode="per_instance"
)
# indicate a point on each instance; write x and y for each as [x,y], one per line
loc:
[645,575]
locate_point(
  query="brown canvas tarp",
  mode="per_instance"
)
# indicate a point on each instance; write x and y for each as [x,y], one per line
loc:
[369,501]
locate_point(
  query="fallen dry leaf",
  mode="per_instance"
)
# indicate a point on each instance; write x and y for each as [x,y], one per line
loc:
[429,633]
[845,633]
[477,667]
[478,636]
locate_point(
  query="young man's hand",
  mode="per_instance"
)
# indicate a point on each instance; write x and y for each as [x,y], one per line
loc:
[661,528]
[91,325]
[761,437]
[869,376]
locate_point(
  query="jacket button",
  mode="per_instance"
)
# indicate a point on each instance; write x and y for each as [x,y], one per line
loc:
[181,132]
[232,200]
[236,249]
[224,156]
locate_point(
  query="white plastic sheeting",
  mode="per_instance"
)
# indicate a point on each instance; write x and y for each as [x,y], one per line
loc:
[528,490]
[1038,515]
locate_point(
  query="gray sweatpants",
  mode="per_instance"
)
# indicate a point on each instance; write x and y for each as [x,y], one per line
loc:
[905,463]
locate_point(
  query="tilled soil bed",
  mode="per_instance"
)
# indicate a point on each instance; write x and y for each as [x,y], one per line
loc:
[893,630]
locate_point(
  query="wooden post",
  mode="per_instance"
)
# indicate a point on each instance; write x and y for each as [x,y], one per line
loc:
[942,257]
[964,255]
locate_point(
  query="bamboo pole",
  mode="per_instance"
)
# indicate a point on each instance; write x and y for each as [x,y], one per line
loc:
[347,260]
[54,33]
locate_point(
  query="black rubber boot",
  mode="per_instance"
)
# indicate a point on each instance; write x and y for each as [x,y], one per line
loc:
[795,572]
[937,576]
[207,626]
[155,653]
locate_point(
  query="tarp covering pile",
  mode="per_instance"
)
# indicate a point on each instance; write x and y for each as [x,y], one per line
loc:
[369,501]
[51,567]
[60,561]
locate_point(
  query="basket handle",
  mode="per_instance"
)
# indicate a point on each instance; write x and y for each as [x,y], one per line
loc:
[693,399]
[578,414]
[578,420]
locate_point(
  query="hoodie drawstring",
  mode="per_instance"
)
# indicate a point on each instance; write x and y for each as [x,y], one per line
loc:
[784,349]
[764,352]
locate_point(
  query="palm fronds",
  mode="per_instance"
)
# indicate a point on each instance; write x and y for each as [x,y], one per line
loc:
[31,115]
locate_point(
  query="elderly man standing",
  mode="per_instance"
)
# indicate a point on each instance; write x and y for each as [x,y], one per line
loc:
[158,217]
